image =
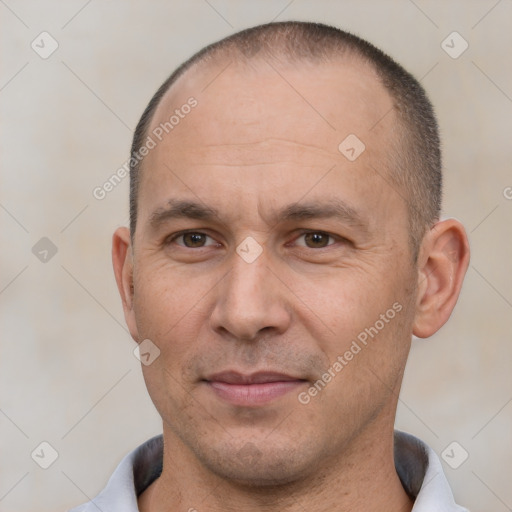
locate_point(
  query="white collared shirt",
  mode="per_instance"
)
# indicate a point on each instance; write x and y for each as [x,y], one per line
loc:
[417,465]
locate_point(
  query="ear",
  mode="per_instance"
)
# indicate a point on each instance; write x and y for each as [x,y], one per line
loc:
[122,260]
[443,261]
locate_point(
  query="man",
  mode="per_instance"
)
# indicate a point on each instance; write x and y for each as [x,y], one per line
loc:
[285,245]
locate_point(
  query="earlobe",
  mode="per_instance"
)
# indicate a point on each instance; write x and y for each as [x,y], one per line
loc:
[443,264]
[122,261]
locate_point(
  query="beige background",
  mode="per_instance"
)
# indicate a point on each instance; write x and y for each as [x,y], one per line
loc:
[67,372]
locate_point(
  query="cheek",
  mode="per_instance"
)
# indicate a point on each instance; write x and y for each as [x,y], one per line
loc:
[342,303]
[165,298]
[172,309]
[361,321]
[169,311]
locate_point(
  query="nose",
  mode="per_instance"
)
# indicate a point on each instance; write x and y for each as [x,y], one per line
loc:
[251,300]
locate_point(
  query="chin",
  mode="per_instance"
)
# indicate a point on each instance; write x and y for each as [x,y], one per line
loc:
[259,463]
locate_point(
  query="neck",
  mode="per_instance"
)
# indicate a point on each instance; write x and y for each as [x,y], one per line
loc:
[360,478]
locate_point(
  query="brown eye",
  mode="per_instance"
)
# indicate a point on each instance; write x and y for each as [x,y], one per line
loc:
[316,240]
[193,240]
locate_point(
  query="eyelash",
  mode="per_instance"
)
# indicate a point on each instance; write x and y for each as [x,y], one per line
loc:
[176,236]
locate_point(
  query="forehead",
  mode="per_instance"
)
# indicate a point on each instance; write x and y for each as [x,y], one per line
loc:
[270,132]
[238,99]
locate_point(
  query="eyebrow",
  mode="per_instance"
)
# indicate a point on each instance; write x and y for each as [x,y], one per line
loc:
[181,209]
[333,208]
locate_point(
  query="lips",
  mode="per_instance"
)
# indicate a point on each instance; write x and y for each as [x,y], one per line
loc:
[231,377]
[251,389]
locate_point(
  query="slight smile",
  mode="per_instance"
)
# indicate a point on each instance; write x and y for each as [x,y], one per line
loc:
[252,390]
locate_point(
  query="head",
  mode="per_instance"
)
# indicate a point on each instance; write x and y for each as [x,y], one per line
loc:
[266,240]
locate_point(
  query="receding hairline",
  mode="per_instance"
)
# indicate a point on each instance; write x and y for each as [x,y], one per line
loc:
[415,165]
[230,57]
[212,65]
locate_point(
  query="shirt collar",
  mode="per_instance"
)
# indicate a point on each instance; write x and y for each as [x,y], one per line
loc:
[417,465]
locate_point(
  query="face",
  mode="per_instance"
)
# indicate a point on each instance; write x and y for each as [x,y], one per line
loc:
[273,273]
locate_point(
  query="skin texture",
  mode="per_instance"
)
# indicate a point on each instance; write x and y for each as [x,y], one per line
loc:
[263,136]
